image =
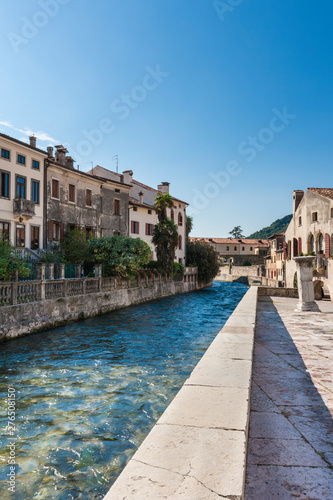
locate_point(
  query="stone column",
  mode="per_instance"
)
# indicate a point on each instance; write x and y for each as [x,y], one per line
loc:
[51,271]
[61,271]
[40,275]
[305,284]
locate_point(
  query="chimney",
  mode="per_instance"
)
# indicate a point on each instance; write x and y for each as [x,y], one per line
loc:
[50,151]
[127,176]
[163,188]
[141,197]
[69,162]
[297,198]
[32,139]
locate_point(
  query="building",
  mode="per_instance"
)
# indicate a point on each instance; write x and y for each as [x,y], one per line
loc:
[22,192]
[142,213]
[275,260]
[239,250]
[77,199]
[311,231]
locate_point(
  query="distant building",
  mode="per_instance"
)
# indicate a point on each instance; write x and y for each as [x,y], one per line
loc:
[311,230]
[77,199]
[275,260]
[238,250]
[142,213]
[22,192]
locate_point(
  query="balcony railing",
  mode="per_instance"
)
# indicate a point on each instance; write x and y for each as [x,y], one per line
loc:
[24,207]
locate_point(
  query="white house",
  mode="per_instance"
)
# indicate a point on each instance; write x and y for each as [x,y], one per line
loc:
[22,192]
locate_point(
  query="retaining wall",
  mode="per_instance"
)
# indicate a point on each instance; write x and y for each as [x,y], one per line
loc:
[22,319]
[197,449]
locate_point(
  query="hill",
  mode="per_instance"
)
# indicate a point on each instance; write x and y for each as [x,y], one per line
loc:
[277,226]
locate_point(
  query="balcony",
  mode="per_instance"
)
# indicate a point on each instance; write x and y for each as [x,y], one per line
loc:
[24,208]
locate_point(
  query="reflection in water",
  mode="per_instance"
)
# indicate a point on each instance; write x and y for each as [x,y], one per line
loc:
[88,393]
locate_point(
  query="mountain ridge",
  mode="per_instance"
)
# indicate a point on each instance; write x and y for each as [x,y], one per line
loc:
[278,226]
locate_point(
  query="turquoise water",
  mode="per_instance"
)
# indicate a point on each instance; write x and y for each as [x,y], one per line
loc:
[88,393]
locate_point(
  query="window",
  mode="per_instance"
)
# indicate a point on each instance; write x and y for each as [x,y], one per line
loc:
[149,212]
[135,227]
[235,249]
[4,184]
[172,215]
[21,159]
[116,207]
[243,248]
[149,229]
[35,164]
[55,231]
[55,189]
[227,249]
[180,219]
[299,221]
[117,190]
[20,235]
[34,237]
[4,230]
[71,193]
[88,197]
[314,216]
[5,154]
[179,242]
[135,209]
[251,249]
[116,233]
[20,187]
[35,191]
[331,213]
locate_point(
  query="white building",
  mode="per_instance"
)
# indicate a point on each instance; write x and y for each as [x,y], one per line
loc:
[311,230]
[142,213]
[22,192]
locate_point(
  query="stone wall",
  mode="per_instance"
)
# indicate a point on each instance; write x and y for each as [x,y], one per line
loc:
[244,271]
[277,292]
[22,319]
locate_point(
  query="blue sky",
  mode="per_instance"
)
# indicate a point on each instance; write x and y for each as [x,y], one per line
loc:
[230,101]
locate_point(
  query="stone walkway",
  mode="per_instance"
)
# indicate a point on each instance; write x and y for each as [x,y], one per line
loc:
[290,452]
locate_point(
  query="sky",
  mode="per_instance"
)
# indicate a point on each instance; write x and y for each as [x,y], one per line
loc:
[228,100]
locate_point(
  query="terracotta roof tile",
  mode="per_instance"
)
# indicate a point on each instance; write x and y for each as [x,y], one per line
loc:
[327,192]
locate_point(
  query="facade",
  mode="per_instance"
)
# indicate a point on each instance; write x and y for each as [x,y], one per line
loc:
[22,192]
[142,213]
[77,199]
[311,231]
[232,247]
[275,260]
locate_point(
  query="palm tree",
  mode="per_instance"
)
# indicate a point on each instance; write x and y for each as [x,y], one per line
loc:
[162,202]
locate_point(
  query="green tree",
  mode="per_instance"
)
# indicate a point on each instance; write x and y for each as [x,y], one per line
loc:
[165,237]
[120,254]
[189,225]
[237,232]
[10,262]
[203,255]
[75,247]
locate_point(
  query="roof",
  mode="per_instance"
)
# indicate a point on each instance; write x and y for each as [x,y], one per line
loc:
[327,192]
[134,201]
[276,235]
[155,190]
[233,241]
[5,136]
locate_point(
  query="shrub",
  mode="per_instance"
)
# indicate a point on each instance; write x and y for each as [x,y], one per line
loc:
[205,257]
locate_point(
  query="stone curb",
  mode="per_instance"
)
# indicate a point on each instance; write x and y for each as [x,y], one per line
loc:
[197,449]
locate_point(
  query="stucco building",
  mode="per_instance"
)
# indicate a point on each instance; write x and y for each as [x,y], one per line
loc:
[142,213]
[311,231]
[275,260]
[238,250]
[77,199]
[22,192]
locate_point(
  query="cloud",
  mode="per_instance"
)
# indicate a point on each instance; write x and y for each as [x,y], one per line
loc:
[42,136]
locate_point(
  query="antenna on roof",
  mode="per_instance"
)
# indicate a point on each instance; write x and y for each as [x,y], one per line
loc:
[115,158]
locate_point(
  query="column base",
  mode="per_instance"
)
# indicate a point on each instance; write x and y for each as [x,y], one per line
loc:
[307,306]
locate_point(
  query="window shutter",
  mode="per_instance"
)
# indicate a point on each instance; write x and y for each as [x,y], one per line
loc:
[132,226]
[327,246]
[138,226]
[299,245]
[147,229]
[285,250]
[62,231]
[50,231]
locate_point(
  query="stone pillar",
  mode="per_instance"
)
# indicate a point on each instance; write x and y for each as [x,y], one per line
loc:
[305,284]
[78,271]
[51,271]
[40,271]
[61,271]
[98,270]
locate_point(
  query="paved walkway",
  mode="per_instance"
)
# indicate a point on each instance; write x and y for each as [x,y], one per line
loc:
[290,453]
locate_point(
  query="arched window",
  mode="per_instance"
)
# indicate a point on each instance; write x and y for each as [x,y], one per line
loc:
[311,247]
[179,242]
[180,219]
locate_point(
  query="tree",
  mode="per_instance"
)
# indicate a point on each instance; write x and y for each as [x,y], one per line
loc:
[189,225]
[165,239]
[75,247]
[203,255]
[120,254]
[237,232]
[165,236]
[10,263]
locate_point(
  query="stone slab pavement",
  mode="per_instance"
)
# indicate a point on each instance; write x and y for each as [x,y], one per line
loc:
[290,447]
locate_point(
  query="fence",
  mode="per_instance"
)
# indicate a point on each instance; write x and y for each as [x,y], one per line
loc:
[20,292]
